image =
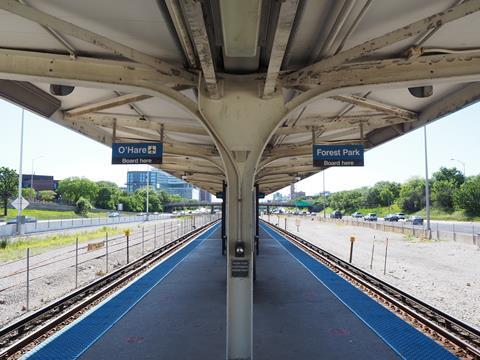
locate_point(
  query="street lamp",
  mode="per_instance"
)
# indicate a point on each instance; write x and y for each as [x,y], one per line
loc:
[427,189]
[31,176]
[461,162]
[324,197]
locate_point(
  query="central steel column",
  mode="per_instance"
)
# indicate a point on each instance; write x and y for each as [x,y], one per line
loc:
[241,123]
[224,217]
[257,219]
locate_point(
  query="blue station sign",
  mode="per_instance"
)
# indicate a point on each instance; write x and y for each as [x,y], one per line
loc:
[338,155]
[137,153]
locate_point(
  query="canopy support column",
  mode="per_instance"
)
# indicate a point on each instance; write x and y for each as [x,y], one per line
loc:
[242,123]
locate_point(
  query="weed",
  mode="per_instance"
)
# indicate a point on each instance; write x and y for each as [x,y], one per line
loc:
[3,242]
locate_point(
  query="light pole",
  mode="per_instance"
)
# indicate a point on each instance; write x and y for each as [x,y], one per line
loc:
[148,185]
[31,176]
[324,197]
[463,165]
[19,213]
[427,187]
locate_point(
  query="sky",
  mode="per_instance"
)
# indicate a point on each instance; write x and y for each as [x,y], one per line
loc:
[63,153]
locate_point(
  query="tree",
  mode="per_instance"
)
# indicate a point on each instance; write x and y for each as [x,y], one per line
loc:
[386,197]
[108,195]
[468,196]
[8,186]
[47,195]
[72,189]
[29,193]
[83,206]
[412,195]
[442,194]
[154,203]
[449,174]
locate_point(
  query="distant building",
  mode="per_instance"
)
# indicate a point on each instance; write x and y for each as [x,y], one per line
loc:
[40,182]
[278,196]
[292,191]
[298,194]
[205,196]
[159,180]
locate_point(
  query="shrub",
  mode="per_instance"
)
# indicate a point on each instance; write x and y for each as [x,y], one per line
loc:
[83,206]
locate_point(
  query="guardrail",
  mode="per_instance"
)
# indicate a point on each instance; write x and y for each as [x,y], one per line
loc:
[63,224]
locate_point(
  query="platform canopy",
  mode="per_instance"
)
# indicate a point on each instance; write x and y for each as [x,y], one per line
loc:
[353,71]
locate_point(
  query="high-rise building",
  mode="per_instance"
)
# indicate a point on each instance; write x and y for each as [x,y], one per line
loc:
[205,196]
[159,180]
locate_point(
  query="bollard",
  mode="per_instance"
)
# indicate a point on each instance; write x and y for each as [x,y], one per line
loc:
[127,234]
[352,240]
[143,240]
[76,262]
[473,233]
[297,223]
[454,234]
[385,263]
[28,279]
[106,253]
[155,236]
[285,224]
[373,250]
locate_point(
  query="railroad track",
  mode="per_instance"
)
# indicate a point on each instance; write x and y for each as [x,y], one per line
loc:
[16,337]
[460,338]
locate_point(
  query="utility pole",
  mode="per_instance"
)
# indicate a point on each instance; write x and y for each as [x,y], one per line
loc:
[148,185]
[324,197]
[427,187]
[19,213]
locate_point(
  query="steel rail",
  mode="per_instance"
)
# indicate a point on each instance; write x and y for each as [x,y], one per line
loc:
[459,334]
[15,337]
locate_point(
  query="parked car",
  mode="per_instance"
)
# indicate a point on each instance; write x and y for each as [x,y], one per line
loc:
[391,217]
[113,214]
[415,220]
[337,214]
[357,215]
[28,219]
[370,217]
[401,216]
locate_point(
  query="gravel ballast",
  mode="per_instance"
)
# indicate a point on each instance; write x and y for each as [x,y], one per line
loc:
[444,274]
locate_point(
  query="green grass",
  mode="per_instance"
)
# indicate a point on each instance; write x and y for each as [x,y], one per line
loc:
[50,214]
[381,211]
[12,250]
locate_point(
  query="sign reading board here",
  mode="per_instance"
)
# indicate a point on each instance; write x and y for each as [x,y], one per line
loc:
[338,155]
[137,153]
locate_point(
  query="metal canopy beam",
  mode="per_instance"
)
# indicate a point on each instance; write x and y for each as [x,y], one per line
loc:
[377,106]
[401,72]
[416,28]
[71,50]
[137,122]
[67,28]
[44,67]
[321,124]
[194,15]
[181,29]
[288,10]
[106,104]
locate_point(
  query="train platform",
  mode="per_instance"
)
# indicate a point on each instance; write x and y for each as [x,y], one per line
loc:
[177,310]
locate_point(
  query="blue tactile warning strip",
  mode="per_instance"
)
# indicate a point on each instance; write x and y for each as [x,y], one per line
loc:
[405,340]
[76,338]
